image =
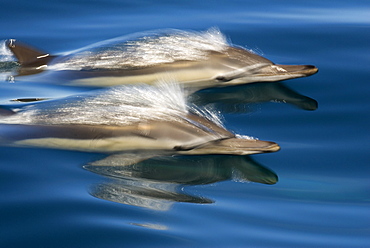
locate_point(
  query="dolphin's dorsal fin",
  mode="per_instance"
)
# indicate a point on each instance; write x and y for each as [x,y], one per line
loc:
[27,55]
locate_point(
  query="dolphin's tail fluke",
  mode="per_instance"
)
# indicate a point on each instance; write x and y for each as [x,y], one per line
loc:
[32,60]
[24,53]
[235,146]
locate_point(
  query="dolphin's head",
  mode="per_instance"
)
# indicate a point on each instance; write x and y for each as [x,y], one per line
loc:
[240,66]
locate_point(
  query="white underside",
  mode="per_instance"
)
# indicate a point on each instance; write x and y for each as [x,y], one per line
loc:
[109,145]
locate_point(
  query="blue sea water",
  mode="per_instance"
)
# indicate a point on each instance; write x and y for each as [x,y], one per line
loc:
[321,122]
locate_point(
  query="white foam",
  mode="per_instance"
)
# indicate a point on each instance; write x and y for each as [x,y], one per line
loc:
[5,53]
[246,137]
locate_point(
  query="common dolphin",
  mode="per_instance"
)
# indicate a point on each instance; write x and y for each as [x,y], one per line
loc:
[127,119]
[197,59]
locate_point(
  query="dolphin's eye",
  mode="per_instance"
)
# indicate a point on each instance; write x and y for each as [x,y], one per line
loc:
[221,79]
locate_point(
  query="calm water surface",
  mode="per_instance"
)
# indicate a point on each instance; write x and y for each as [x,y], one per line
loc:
[321,122]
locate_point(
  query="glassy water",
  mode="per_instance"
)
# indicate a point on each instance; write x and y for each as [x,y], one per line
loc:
[314,192]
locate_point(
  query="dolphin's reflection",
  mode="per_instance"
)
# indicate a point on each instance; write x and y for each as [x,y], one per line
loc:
[235,99]
[159,182]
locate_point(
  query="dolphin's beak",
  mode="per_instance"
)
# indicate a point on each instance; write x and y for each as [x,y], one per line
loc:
[236,146]
[301,70]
